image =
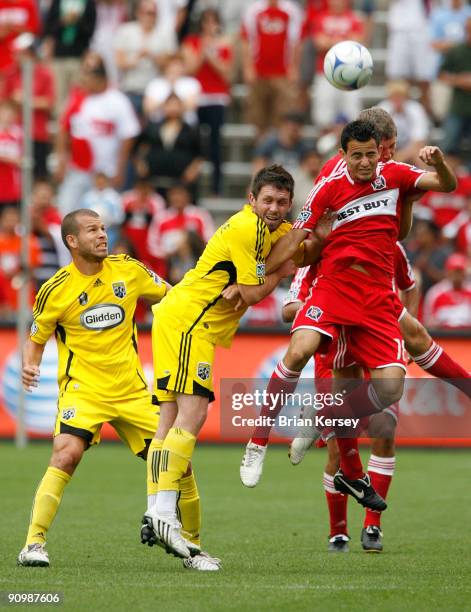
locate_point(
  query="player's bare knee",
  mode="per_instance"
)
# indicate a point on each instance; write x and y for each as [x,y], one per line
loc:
[67,453]
[389,390]
[297,356]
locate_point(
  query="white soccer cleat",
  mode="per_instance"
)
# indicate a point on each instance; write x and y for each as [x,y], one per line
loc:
[298,449]
[203,563]
[33,555]
[307,434]
[167,530]
[251,467]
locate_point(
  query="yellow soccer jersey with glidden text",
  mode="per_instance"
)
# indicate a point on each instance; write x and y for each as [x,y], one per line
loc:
[93,320]
[235,254]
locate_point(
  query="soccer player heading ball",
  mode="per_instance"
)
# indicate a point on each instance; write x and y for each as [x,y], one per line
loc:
[354,285]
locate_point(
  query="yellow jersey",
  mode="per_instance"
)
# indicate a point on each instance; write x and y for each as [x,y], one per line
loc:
[93,321]
[235,254]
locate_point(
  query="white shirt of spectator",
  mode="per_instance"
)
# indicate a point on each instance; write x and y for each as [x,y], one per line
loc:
[186,88]
[407,15]
[168,10]
[131,39]
[104,120]
[412,123]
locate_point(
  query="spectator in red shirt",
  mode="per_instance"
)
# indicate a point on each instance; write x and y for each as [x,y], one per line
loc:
[168,231]
[448,303]
[208,56]
[42,100]
[271,38]
[335,24]
[46,227]
[10,250]
[10,155]
[449,210]
[16,16]
[141,207]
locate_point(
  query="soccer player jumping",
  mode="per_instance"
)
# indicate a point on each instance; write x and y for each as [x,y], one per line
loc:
[354,284]
[192,319]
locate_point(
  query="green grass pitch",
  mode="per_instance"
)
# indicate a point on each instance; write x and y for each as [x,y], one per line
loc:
[272,539]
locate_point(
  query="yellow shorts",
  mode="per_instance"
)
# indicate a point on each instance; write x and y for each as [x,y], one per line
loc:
[183,363]
[134,418]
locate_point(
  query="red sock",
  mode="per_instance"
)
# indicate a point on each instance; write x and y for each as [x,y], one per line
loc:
[337,505]
[441,365]
[350,462]
[282,381]
[381,470]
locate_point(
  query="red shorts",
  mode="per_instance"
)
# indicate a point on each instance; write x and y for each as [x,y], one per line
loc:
[368,311]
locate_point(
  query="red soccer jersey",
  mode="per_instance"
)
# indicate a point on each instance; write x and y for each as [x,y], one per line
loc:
[166,231]
[463,238]
[16,16]
[272,32]
[446,207]
[139,215]
[43,87]
[445,306]
[10,172]
[346,26]
[212,82]
[367,224]
[96,124]
[404,278]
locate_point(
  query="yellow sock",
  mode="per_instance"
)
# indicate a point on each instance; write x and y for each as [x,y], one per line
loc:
[175,457]
[46,502]
[153,457]
[189,509]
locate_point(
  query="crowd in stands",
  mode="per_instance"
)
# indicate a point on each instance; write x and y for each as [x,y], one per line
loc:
[130,98]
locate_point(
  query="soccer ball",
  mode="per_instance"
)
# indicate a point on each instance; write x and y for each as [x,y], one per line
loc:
[348,65]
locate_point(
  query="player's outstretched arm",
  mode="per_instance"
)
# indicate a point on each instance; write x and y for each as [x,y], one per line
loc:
[32,355]
[285,249]
[252,294]
[443,179]
[411,300]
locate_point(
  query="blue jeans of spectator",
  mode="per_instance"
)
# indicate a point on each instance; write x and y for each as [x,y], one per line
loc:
[213,117]
[455,128]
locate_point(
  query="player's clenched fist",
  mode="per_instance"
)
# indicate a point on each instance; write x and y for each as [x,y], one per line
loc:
[30,377]
[432,156]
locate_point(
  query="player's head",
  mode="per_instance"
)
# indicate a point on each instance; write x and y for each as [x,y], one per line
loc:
[360,149]
[83,233]
[271,195]
[386,127]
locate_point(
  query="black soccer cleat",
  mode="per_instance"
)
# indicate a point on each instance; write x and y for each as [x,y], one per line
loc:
[361,490]
[147,533]
[338,544]
[372,539]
